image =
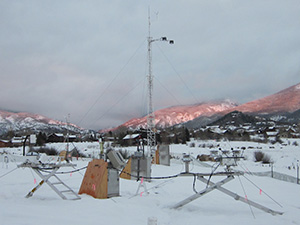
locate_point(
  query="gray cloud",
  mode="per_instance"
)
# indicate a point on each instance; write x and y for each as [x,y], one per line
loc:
[88,58]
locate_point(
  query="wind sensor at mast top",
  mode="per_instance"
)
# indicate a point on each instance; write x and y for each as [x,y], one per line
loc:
[151,139]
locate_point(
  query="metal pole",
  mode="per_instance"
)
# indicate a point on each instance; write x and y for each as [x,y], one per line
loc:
[24,144]
[151,140]
[151,133]
[187,169]
[101,148]
[67,157]
[272,174]
[297,171]
[138,169]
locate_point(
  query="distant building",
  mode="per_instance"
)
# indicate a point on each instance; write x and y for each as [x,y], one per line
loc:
[56,137]
[131,139]
[72,138]
[5,143]
[17,141]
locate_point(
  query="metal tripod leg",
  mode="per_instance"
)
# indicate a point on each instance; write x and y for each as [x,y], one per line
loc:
[142,184]
[64,194]
[240,198]
[203,192]
[44,179]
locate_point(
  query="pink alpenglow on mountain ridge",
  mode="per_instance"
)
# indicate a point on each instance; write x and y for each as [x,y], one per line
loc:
[25,120]
[287,100]
[180,114]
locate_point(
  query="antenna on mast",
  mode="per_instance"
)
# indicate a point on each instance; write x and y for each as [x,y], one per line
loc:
[68,136]
[151,131]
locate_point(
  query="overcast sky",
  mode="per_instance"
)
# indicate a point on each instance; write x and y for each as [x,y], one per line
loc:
[89,58]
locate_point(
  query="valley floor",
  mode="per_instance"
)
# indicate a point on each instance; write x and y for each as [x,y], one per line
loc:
[46,207]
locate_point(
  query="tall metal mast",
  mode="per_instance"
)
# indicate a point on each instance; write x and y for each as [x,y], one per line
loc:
[151,132]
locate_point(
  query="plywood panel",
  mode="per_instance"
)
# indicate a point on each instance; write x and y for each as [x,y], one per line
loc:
[63,154]
[94,182]
[157,156]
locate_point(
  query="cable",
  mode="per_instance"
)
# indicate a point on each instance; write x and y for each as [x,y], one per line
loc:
[112,81]
[143,98]
[73,171]
[212,172]
[246,169]
[12,158]
[263,191]
[194,184]
[246,196]
[8,172]
[177,74]
[32,175]
[155,186]
[149,178]
[144,90]
[119,100]
[168,91]
[152,178]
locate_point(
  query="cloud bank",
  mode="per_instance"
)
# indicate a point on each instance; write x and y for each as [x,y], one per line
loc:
[89,58]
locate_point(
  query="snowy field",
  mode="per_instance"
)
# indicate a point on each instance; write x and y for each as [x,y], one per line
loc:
[47,208]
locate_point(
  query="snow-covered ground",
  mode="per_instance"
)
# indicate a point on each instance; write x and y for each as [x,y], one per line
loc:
[46,207]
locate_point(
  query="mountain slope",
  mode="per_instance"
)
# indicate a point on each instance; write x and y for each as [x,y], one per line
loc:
[282,106]
[286,117]
[287,100]
[193,116]
[236,118]
[27,121]
[180,114]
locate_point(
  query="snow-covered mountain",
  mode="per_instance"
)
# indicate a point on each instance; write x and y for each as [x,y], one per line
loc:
[24,121]
[180,114]
[276,105]
[287,100]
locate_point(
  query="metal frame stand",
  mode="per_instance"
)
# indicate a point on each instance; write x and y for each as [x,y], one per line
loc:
[201,193]
[63,190]
[212,186]
[142,184]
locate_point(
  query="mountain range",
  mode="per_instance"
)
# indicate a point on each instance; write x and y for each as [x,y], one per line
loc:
[23,121]
[281,106]
[180,114]
[287,100]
